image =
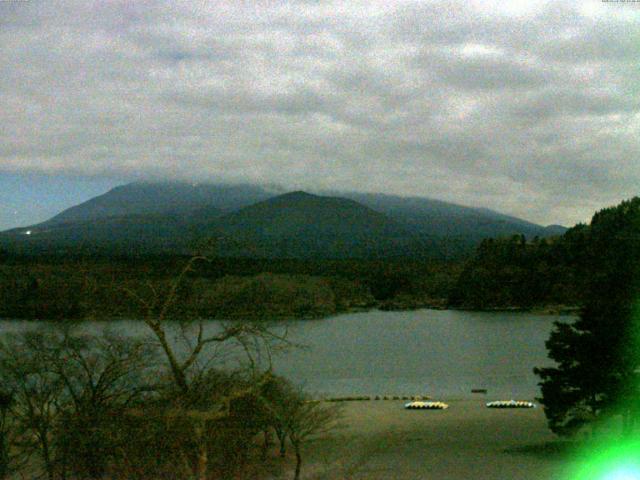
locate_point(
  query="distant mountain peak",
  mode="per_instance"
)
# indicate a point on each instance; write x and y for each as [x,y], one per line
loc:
[297,194]
[267,222]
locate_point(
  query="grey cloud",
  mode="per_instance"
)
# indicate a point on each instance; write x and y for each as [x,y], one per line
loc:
[486,73]
[534,114]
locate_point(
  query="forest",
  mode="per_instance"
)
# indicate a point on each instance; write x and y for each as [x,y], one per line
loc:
[506,273]
[57,288]
[516,273]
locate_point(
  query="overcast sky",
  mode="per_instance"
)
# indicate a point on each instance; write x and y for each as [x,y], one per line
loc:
[529,108]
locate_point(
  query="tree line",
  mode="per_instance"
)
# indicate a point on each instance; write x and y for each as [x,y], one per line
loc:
[55,288]
[521,273]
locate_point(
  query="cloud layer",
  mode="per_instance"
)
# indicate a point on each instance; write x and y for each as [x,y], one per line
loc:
[529,109]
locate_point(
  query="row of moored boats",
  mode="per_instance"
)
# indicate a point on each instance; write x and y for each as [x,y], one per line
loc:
[496,404]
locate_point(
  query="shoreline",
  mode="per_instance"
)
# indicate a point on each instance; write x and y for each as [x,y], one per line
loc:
[552,309]
[557,310]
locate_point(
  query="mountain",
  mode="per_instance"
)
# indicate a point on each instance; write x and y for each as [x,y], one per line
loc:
[143,198]
[138,217]
[124,234]
[302,225]
[249,220]
[442,219]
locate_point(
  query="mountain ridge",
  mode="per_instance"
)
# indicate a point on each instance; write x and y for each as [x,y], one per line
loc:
[252,220]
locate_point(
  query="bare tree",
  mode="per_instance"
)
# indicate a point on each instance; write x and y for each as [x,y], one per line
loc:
[37,394]
[159,306]
[255,339]
[6,400]
[103,376]
[68,391]
[277,394]
[296,417]
[308,419]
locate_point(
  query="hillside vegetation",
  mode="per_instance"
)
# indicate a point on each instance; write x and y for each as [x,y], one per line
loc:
[513,273]
[63,288]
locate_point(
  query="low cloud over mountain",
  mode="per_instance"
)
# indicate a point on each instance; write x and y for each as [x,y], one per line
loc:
[530,108]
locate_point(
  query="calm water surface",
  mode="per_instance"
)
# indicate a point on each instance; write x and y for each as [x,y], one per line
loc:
[434,352]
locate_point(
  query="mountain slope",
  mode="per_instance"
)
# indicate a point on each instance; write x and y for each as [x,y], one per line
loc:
[137,217]
[301,213]
[162,198]
[442,219]
[249,220]
[302,225]
[124,234]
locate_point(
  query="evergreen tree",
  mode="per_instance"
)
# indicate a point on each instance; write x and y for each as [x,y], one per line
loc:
[598,355]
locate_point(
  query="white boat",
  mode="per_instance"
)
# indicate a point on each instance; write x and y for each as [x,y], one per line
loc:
[426,406]
[511,404]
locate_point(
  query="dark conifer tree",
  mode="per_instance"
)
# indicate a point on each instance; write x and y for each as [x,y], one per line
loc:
[598,355]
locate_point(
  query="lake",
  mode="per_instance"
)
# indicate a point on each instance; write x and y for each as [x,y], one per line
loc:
[434,352]
[441,353]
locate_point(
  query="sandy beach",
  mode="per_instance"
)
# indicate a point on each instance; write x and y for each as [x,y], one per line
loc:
[382,440]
